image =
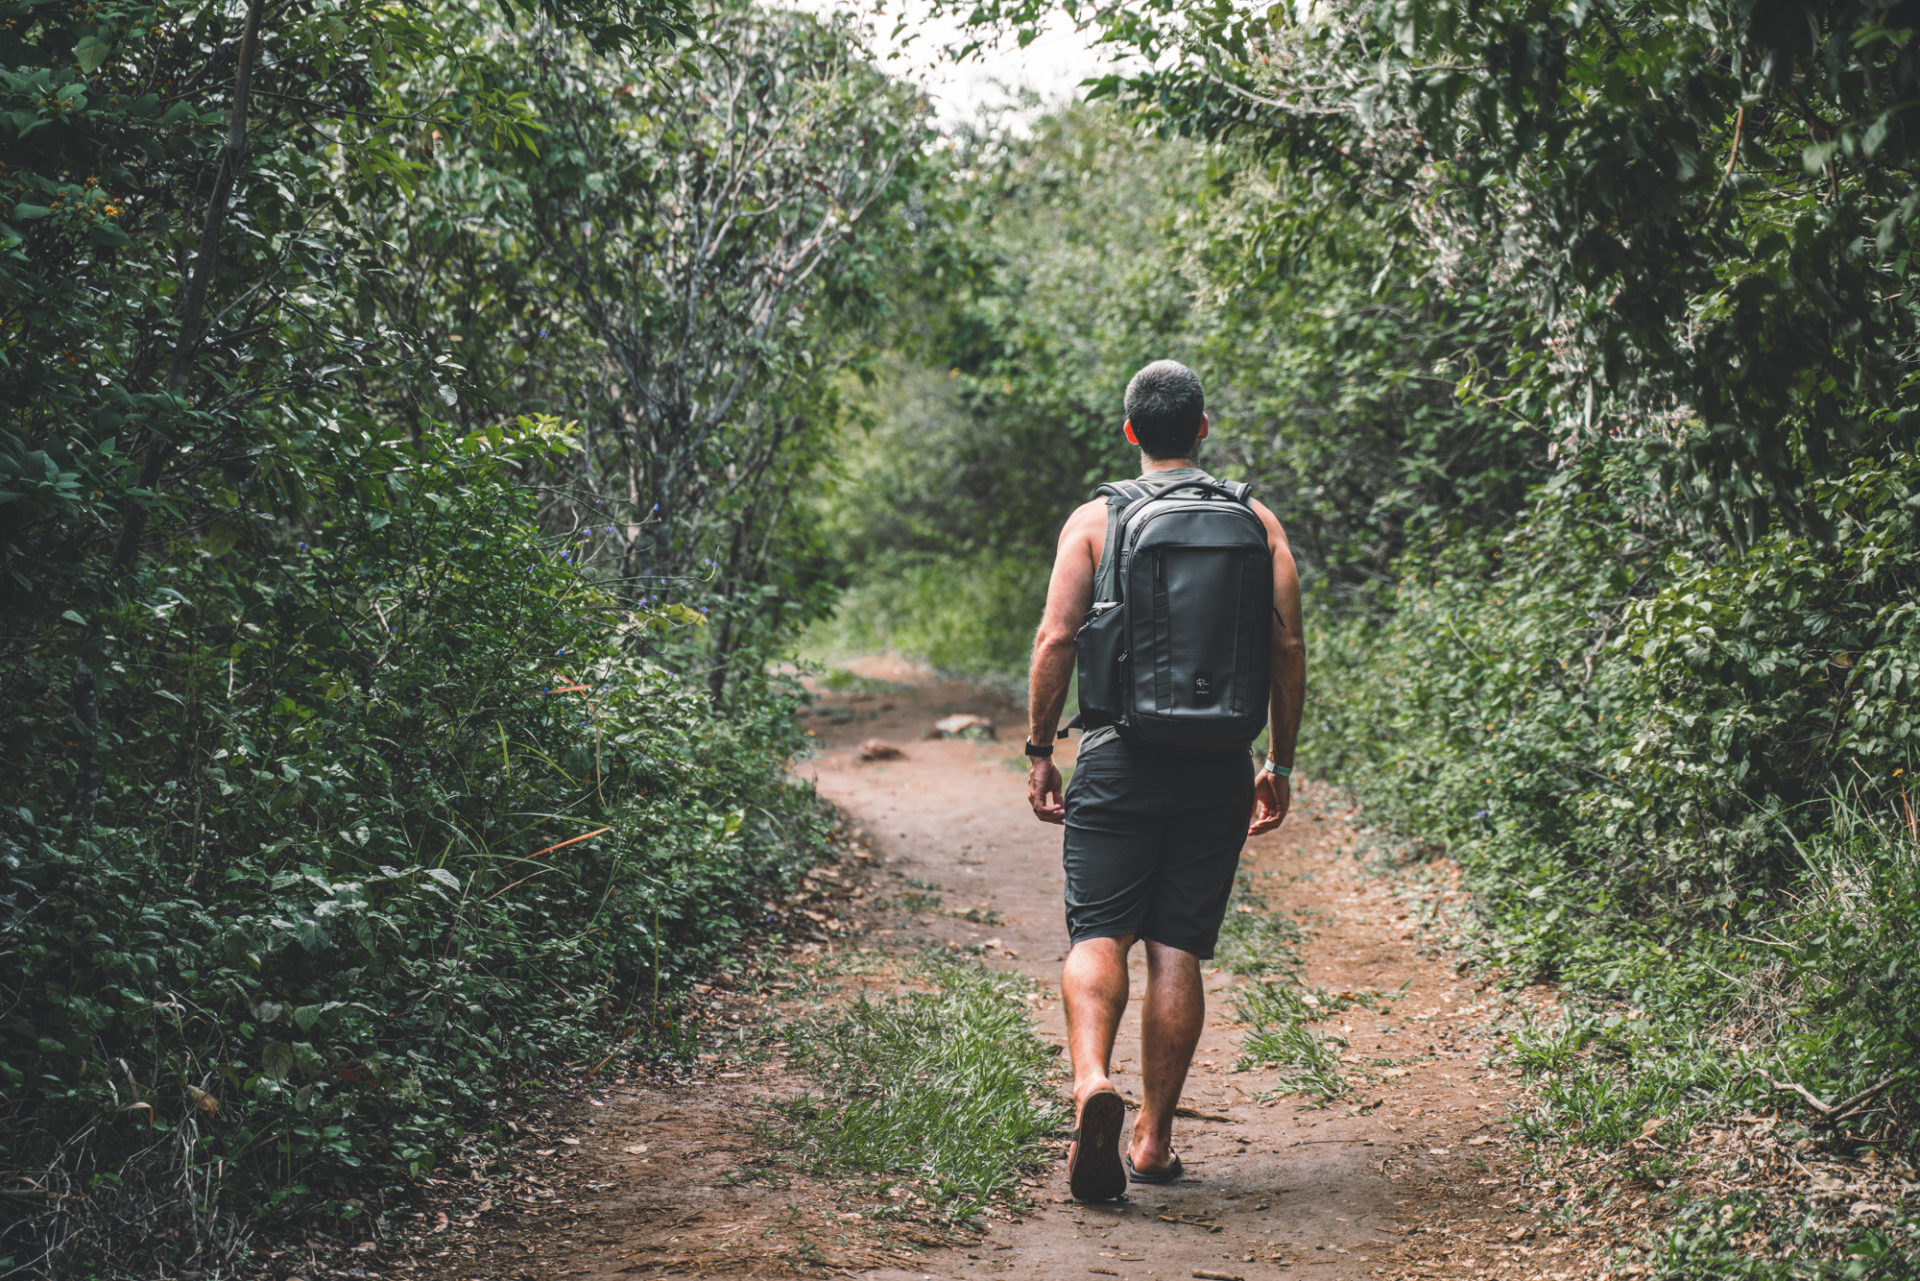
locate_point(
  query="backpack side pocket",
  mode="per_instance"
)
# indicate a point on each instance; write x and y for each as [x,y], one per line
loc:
[1102,641]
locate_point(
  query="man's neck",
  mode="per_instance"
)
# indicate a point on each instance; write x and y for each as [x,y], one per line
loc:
[1162,464]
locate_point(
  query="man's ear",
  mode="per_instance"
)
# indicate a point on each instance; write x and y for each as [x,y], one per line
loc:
[1203,430]
[1132,439]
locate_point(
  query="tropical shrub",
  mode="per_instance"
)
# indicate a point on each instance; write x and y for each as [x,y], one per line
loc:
[391,818]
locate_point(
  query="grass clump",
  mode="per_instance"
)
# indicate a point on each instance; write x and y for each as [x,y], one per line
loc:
[1280,1036]
[1254,940]
[1278,1009]
[914,903]
[842,681]
[949,1088]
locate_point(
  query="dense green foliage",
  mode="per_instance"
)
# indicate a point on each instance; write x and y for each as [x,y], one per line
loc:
[403,415]
[353,918]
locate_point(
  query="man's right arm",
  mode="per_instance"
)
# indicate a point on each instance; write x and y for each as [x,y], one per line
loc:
[1069,594]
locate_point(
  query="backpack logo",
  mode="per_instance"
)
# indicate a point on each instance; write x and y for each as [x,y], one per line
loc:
[1202,687]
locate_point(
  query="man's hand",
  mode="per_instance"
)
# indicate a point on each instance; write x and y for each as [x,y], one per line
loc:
[1272,797]
[1044,792]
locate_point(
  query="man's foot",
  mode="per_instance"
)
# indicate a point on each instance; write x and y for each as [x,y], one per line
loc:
[1094,1172]
[1150,1158]
[1167,1174]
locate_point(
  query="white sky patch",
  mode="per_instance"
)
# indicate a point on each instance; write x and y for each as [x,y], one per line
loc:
[992,77]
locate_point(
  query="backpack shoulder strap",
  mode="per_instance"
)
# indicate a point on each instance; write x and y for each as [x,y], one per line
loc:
[1120,495]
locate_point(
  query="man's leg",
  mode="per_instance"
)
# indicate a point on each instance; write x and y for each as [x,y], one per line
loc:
[1093,983]
[1170,1023]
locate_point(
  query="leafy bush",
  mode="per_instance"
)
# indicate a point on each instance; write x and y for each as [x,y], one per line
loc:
[975,617]
[1674,774]
[389,819]
[1601,702]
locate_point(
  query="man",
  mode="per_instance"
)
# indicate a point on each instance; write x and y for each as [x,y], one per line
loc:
[1153,836]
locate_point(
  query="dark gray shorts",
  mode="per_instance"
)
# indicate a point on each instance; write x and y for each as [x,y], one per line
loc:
[1153,842]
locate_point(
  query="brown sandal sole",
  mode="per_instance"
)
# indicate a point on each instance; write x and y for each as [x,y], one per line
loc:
[1095,1173]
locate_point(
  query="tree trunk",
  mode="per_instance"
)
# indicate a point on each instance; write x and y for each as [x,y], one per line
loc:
[193,308]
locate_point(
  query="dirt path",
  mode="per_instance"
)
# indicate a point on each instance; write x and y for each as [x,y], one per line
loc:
[1408,1175]
[1359,1188]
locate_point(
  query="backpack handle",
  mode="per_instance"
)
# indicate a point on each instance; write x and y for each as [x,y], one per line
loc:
[1126,492]
[1234,491]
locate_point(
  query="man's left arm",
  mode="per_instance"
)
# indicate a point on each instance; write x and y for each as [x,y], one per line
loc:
[1272,794]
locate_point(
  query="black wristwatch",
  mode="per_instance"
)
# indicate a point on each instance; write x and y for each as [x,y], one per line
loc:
[1039,751]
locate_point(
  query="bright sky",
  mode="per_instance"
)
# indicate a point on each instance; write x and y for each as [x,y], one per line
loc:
[1052,66]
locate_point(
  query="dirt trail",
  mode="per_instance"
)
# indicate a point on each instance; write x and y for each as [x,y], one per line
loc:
[1407,1176]
[1359,1188]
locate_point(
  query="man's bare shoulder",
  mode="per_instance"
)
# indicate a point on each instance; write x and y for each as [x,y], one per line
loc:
[1085,519]
[1093,511]
[1275,534]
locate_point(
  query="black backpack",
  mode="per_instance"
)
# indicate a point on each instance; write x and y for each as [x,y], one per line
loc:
[1177,649]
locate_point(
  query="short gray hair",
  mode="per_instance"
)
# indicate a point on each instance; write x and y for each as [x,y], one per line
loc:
[1165,406]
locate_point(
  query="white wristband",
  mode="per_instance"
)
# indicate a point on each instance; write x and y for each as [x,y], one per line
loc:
[1278,771]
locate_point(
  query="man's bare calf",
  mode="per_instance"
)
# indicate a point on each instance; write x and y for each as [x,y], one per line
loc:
[1094,982]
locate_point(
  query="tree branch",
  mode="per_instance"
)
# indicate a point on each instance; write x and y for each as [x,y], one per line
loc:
[194,307]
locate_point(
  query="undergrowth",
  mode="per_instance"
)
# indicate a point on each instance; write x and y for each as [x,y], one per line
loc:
[970,617]
[391,824]
[1262,947]
[1675,778]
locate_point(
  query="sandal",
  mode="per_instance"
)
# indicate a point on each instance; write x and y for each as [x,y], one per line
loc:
[1173,1171]
[1094,1172]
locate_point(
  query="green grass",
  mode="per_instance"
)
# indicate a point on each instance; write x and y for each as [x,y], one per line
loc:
[1280,1036]
[912,903]
[949,1089]
[1254,940]
[1740,1238]
[1263,948]
[842,681]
